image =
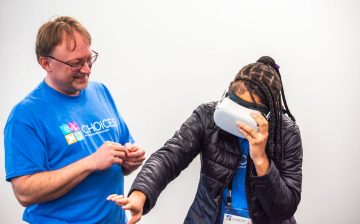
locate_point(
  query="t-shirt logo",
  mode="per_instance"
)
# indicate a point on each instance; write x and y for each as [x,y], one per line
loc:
[243,161]
[71,132]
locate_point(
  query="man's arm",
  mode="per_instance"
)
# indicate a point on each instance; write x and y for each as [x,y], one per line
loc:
[50,185]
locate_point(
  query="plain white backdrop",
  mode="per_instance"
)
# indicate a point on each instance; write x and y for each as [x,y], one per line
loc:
[161,59]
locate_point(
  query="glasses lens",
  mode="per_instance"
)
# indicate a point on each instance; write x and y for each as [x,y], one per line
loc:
[90,61]
[77,66]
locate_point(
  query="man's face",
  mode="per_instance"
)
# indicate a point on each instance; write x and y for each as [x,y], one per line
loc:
[63,77]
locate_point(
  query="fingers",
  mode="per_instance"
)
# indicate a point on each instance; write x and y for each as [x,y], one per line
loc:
[118,161]
[135,218]
[113,197]
[116,149]
[136,154]
[129,164]
[120,148]
[130,154]
[245,134]
[134,150]
[119,154]
[119,200]
[261,122]
[110,197]
[130,150]
[134,203]
[135,159]
[249,132]
[128,146]
[124,202]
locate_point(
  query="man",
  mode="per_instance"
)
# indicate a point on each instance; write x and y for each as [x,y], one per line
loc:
[66,146]
[250,175]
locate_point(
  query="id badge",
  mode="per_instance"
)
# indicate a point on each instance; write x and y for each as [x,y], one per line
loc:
[235,217]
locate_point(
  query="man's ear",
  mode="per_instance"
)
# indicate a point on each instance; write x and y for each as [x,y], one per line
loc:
[44,62]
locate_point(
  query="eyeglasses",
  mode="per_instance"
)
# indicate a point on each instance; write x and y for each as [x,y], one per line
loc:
[77,66]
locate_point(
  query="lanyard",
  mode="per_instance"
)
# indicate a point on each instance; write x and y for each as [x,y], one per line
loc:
[229,200]
[230,185]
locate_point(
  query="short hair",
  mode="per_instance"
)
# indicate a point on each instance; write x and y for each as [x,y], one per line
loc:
[51,34]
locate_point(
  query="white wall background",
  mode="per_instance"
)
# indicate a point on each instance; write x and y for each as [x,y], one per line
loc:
[162,58]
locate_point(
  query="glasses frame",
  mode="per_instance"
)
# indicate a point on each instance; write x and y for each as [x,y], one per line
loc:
[90,61]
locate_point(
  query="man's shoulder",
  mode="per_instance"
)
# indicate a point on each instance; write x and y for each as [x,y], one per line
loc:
[98,87]
[32,100]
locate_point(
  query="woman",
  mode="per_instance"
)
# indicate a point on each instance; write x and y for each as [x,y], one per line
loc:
[255,179]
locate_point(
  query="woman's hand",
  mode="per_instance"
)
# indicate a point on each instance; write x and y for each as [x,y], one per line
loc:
[135,203]
[257,142]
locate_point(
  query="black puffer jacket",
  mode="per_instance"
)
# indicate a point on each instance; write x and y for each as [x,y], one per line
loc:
[272,198]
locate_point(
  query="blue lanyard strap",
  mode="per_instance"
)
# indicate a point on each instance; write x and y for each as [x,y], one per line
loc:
[229,200]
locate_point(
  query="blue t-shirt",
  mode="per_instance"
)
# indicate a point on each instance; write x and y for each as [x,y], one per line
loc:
[47,131]
[238,194]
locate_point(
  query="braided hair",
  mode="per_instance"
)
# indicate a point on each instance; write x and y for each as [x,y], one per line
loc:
[264,80]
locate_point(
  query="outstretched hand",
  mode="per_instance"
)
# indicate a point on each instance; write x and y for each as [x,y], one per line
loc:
[134,203]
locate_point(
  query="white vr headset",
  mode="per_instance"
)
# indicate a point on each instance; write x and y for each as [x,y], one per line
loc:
[231,109]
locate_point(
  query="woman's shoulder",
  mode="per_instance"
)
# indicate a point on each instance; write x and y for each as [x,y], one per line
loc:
[207,107]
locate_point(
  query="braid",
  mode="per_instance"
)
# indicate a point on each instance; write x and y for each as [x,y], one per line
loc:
[269,61]
[274,144]
[287,110]
[263,79]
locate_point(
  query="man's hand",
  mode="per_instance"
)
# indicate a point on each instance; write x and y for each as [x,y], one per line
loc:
[108,154]
[257,142]
[134,203]
[47,186]
[133,159]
